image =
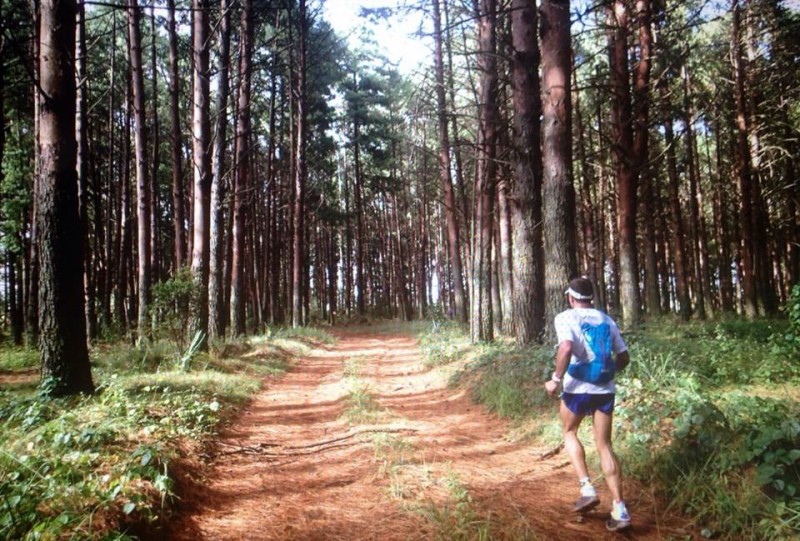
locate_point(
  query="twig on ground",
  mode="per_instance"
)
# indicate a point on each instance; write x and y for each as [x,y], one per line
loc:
[261,448]
[552,452]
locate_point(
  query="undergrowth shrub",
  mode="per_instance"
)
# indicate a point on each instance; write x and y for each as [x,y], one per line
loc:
[442,343]
[726,457]
[18,358]
[509,381]
[92,467]
[708,414]
[171,303]
[70,468]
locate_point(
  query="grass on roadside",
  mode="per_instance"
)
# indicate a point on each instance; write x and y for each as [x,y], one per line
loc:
[101,466]
[708,414]
[13,358]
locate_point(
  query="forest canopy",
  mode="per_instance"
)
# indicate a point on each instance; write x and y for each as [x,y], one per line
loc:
[238,164]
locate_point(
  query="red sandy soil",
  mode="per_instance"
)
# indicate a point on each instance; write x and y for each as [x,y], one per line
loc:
[292,467]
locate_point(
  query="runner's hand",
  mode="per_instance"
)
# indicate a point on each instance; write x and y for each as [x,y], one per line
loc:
[551,387]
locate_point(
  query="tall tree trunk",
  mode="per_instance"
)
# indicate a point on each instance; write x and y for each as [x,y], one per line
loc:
[155,252]
[359,212]
[526,190]
[113,263]
[604,299]
[626,160]
[641,133]
[62,319]
[694,200]
[587,210]
[81,132]
[559,198]
[454,242]
[32,286]
[142,181]
[202,172]
[765,286]
[178,210]
[678,236]
[742,168]
[298,224]
[216,282]
[348,241]
[243,184]
[721,224]
[505,251]
[124,236]
[455,142]
[481,305]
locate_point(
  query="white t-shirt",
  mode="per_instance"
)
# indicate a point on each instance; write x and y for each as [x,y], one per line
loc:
[568,327]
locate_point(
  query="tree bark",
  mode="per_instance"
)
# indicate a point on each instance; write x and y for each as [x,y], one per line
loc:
[62,319]
[678,236]
[742,169]
[216,281]
[641,133]
[243,184]
[698,246]
[298,224]
[453,237]
[526,190]
[559,198]
[155,240]
[626,160]
[178,210]
[142,181]
[201,158]
[32,286]
[481,304]
[81,132]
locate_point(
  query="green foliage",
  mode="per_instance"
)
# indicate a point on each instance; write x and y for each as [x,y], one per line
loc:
[728,458]
[18,358]
[443,343]
[510,381]
[303,334]
[362,406]
[90,467]
[708,412]
[459,519]
[66,463]
[786,345]
[351,368]
[171,301]
[456,519]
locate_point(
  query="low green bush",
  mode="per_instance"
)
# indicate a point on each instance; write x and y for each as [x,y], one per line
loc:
[695,430]
[79,467]
[707,412]
[18,358]
[93,467]
[442,343]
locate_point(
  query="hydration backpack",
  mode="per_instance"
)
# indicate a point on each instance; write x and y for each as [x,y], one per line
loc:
[599,367]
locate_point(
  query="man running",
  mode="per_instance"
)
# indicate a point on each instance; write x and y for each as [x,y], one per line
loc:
[590,352]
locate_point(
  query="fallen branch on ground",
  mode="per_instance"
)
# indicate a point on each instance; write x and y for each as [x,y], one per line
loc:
[261,448]
[552,452]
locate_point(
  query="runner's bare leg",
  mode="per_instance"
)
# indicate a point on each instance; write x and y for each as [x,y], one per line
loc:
[570,424]
[608,460]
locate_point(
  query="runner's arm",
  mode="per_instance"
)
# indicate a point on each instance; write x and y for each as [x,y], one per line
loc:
[563,357]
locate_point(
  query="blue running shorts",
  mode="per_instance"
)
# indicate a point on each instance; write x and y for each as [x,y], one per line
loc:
[582,404]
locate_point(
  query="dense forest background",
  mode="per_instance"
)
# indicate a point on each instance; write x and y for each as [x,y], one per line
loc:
[210,169]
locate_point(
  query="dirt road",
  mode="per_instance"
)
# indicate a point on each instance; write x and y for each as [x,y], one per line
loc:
[416,460]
